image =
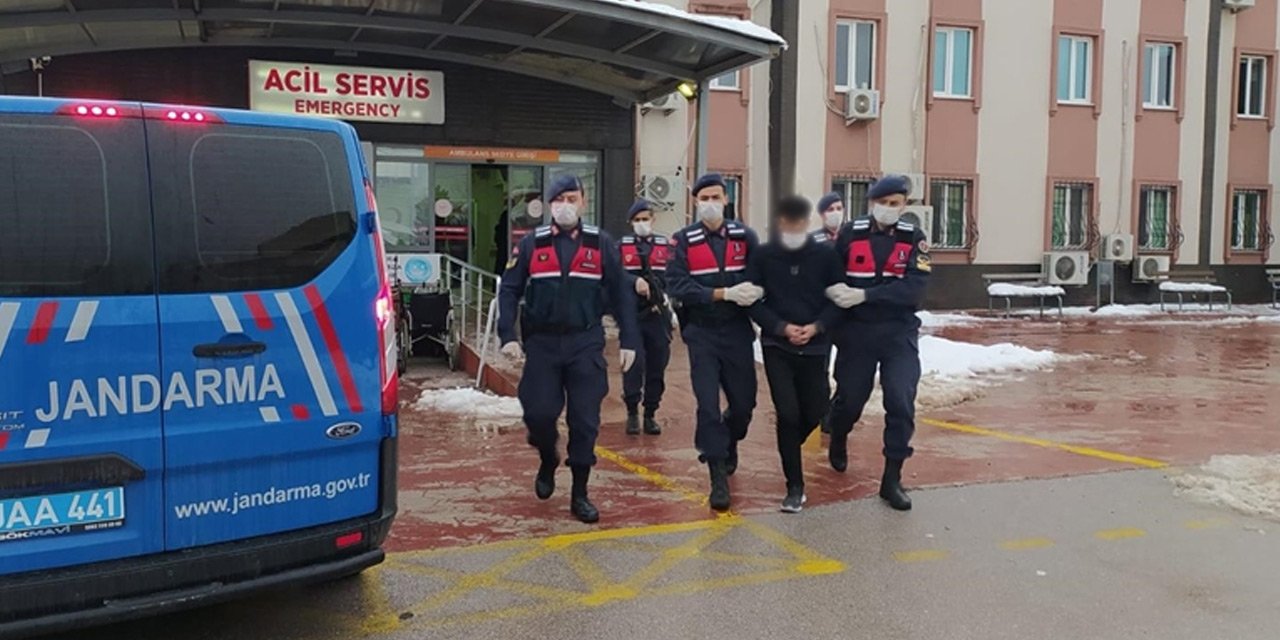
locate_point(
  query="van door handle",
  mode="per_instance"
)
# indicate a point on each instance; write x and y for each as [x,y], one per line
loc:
[229,350]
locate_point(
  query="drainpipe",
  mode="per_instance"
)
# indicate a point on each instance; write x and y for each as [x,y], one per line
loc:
[1209,153]
[704,119]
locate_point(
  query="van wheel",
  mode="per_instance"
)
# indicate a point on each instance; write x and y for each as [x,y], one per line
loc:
[404,345]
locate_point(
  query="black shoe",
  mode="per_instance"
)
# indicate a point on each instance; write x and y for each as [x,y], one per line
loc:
[719,498]
[838,453]
[633,424]
[579,505]
[794,501]
[731,463]
[825,425]
[651,426]
[545,485]
[891,490]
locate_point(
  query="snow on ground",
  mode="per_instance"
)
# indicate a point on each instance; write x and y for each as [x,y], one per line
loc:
[1258,311]
[468,402]
[1248,484]
[935,320]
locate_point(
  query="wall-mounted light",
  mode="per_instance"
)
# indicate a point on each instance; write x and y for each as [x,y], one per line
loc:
[687,89]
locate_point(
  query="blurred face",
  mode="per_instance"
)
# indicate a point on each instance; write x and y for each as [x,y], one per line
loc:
[798,226]
[712,194]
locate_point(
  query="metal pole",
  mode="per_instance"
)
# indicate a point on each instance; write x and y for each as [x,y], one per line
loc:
[704,120]
[1209,153]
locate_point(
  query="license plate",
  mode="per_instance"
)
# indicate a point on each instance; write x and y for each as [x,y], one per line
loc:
[61,513]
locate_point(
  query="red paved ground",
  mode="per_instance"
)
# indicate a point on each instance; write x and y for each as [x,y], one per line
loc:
[1172,392]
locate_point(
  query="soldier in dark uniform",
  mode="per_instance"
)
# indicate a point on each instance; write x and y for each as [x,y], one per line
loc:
[564,273]
[831,208]
[707,275]
[644,256]
[887,268]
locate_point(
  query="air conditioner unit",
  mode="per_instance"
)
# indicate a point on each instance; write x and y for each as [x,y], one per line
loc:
[1118,247]
[921,217]
[1149,268]
[665,104]
[1238,5]
[861,104]
[917,187]
[663,189]
[1066,267]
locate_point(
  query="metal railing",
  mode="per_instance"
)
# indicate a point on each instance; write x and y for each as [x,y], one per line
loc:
[473,296]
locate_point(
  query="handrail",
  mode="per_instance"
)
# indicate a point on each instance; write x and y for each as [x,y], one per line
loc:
[473,293]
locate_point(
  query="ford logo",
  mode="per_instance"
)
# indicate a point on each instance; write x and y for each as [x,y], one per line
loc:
[342,430]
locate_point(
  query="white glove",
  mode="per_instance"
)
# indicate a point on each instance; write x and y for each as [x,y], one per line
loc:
[513,350]
[628,358]
[743,294]
[642,287]
[846,296]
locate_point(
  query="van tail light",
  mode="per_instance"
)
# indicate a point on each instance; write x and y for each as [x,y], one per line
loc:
[348,540]
[98,110]
[384,313]
[182,115]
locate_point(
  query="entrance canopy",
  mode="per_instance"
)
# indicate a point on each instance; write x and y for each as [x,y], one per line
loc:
[631,50]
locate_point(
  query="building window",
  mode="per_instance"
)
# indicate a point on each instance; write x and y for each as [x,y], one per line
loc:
[1248,213]
[950,200]
[1075,69]
[855,55]
[732,187]
[726,82]
[952,57]
[854,191]
[1252,86]
[1155,218]
[1072,205]
[1158,65]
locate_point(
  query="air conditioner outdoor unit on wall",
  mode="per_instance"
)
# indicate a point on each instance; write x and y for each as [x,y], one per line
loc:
[1238,5]
[665,104]
[1149,268]
[666,190]
[917,187]
[861,104]
[1118,247]
[1066,267]
[920,216]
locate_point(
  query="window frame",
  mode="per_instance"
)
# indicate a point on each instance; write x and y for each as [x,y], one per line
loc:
[948,92]
[1262,227]
[1151,80]
[851,62]
[1089,213]
[968,186]
[718,84]
[1244,84]
[1172,224]
[845,186]
[1090,63]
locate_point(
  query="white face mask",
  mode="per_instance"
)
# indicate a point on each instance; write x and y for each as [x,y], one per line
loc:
[793,241]
[709,211]
[885,214]
[833,217]
[565,214]
[643,228]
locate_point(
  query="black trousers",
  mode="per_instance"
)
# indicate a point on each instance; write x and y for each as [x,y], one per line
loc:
[721,359]
[646,380]
[801,392]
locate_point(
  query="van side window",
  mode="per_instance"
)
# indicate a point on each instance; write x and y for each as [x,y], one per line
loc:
[247,208]
[74,216]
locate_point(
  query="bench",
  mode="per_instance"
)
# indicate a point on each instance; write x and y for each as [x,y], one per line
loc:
[1020,285]
[1193,283]
[1273,278]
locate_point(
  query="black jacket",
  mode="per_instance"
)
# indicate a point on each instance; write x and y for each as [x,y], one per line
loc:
[795,284]
[889,299]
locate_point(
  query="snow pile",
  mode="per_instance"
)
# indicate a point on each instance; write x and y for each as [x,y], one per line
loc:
[948,358]
[1007,290]
[1192,287]
[468,402]
[1248,484]
[930,320]
[736,25]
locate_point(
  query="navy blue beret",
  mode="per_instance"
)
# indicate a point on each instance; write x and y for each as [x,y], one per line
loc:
[889,185]
[708,180]
[828,200]
[561,185]
[640,205]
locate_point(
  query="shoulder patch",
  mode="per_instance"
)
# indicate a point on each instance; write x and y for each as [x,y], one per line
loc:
[906,226]
[923,263]
[923,246]
[515,260]
[543,231]
[627,240]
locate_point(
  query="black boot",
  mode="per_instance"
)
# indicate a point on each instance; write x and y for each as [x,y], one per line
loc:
[838,453]
[891,486]
[545,484]
[633,423]
[719,498]
[731,463]
[651,426]
[579,505]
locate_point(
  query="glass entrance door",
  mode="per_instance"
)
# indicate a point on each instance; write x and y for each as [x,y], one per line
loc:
[451,210]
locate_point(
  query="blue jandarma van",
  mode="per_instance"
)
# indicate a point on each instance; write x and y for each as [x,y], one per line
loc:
[197,369]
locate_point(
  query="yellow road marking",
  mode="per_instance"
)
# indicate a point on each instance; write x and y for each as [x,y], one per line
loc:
[1048,444]
[1211,523]
[1119,534]
[923,555]
[649,475]
[381,617]
[1025,544]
